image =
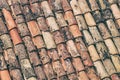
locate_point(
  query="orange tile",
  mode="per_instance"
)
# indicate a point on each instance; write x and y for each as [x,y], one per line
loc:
[34,28]
[15,36]
[70,18]
[5,75]
[9,19]
[74,29]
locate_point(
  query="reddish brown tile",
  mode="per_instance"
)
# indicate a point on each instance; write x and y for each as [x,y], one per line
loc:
[15,36]
[58,37]
[16,74]
[69,17]
[38,42]
[34,59]
[65,5]
[62,51]
[9,19]
[40,73]
[42,24]
[82,76]
[49,71]
[53,54]
[74,29]
[77,61]
[34,28]
[44,56]
[59,70]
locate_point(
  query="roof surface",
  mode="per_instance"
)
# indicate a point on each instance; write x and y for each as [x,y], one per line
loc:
[59,39]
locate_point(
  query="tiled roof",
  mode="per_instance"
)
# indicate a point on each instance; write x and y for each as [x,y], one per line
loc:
[59,39]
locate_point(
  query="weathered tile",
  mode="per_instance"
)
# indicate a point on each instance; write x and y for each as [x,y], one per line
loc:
[42,24]
[35,8]
[23,29]
[115,10]
[56,5]
[66,34]
[16,74]
[107,14]
[103,4]
[104,31]
[26,68]
[44,56]
[33,1]
[53,54]
[63,78]
[46,9]
[20,19]
[72,48]
[27,12]
[12,60]
[49,71]
[112,28]
[81,22]
[97,16]
[52,24]
[75,6]
[6,41]
[69,17]
[93,53]
[34,59]
[29,44]
[77,61]
[3,65]
[74,29]
[100,69]
[72,76]
[89,19]
[48,38]
[117,23]
[88,37]
[3,28]
[83,6]
[62,51]
[116,41]
[91,73]
[38,42]
[16,8]
[65,5]
[24,2]
[95,34]
[111,47]
[115,77]
[32,78]
[58,69]
[116,62]
[40,73]
[93,4]
[58,37]
[60,19]
[67,65]
[20,51]
[82,76]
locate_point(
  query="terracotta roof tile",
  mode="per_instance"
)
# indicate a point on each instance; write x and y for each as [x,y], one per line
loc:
[15,36]
[59,40]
